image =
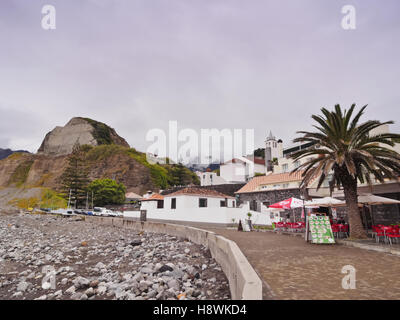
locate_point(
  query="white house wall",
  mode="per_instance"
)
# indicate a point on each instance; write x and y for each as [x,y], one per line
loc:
[187,209]
[234,172]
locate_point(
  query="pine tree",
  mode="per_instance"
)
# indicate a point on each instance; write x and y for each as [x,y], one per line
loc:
[75,179]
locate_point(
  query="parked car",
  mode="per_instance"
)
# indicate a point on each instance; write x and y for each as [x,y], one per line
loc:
[119,214]
[98,211]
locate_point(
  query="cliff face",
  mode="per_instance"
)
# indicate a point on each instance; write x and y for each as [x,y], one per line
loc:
[108,159]
[33,171]
[61,140]
[106,154]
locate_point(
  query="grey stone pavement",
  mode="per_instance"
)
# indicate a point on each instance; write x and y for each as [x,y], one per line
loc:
[294,269]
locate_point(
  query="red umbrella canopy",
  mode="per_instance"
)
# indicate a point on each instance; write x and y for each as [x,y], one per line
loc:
[290,203]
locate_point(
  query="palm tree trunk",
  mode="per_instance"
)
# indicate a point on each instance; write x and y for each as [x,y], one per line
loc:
[357,230]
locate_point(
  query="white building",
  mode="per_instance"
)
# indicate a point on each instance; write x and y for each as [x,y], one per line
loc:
[275,147]
[198,205]
[210,178]
[242,170]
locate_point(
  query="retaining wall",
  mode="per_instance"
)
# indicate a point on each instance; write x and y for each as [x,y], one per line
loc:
[244,282]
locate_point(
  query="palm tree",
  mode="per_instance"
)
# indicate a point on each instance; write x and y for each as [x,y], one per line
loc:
[345,147]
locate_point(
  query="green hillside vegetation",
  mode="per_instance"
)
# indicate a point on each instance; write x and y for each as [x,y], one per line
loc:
[107,191]
[16,155]
[163,175]
[20,174]
[48,199]
[102,132]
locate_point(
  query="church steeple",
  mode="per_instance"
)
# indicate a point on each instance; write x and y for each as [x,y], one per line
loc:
[271,136]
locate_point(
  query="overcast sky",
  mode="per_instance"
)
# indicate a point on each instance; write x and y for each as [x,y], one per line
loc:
[137,64]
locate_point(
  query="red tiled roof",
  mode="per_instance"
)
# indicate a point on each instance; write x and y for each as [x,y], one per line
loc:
[132,195]
[199,192]
[256,160]
[259,161]
[153,197]
[252,185]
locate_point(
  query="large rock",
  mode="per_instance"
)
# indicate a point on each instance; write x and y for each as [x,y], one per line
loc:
[61,140]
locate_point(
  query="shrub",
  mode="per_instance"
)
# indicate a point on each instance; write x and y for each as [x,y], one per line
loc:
[107,191]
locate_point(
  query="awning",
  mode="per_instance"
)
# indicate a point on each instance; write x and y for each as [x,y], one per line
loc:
[325,202]
[290,203]
[372,199]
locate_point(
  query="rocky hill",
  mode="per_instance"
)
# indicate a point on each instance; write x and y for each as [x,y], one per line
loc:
[84,131]
[106,154]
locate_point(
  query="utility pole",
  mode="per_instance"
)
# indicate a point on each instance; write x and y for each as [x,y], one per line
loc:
[69,199]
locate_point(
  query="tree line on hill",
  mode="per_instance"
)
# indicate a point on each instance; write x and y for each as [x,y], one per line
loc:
[76,186]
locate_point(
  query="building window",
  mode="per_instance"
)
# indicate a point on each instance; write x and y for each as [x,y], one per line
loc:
[160,204]
[202,203]
[253,205]
[285,167]
[173,203]
[297,164]
[224,203]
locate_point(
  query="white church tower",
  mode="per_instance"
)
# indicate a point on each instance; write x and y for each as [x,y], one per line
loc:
[273,150]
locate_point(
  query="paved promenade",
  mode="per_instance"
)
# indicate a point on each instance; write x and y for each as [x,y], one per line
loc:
[294,269]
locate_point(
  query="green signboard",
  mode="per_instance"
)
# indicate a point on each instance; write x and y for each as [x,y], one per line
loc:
[321,231]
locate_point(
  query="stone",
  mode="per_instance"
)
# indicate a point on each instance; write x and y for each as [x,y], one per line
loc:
[111,269]
[58,293]
[173,284]
[100,265]
[89,292]
[101,290]
[83,297]
[70,290]
[136,243]
[18,294]
[46,285]
[81,282]
[94,283]
[196,293]
[76,296]
[147,270]
[151,294]
[178,274]
[23,286]
[165,268]
[120,293]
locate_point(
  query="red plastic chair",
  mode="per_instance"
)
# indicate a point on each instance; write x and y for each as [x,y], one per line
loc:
[393,234]
[343,229]
[335,230]
[379,234]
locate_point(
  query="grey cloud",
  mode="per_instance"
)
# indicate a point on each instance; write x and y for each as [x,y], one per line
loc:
[226,64]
